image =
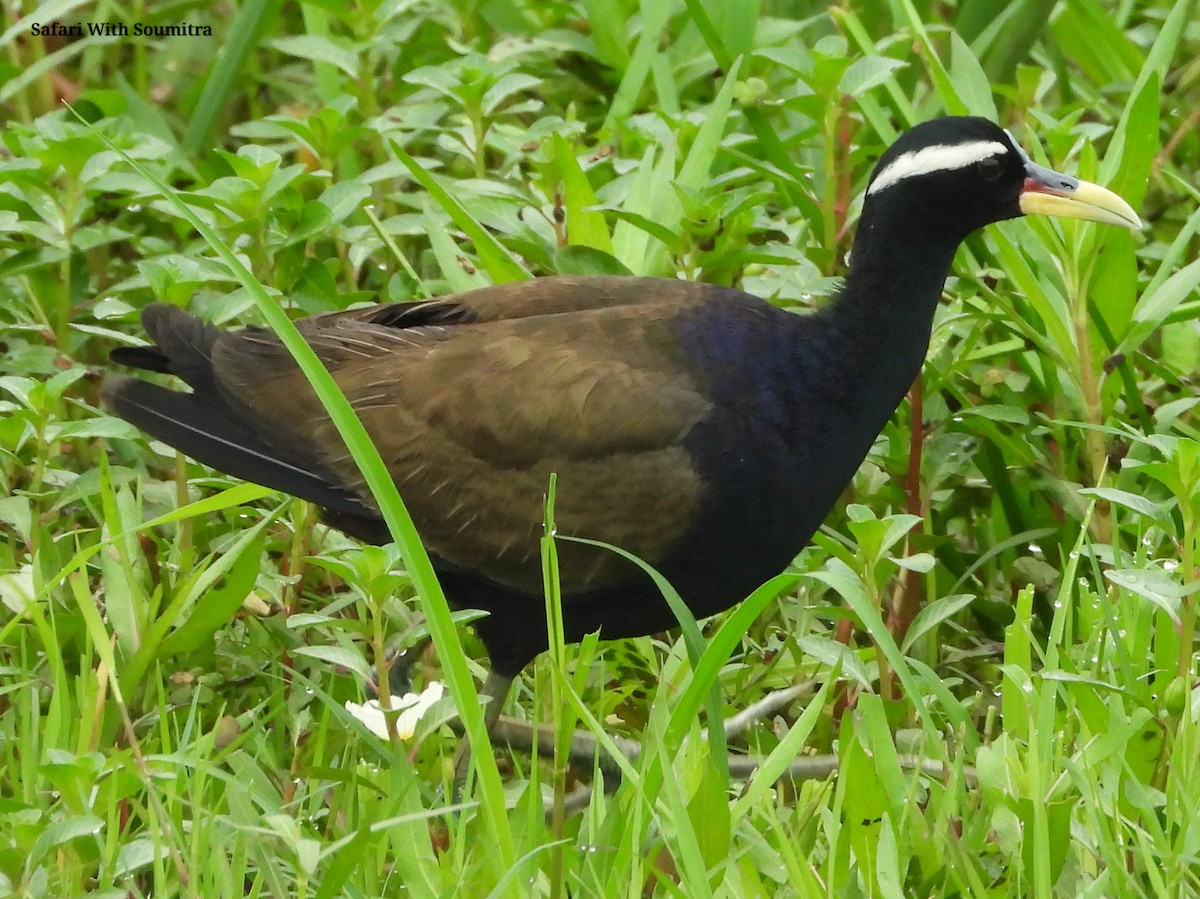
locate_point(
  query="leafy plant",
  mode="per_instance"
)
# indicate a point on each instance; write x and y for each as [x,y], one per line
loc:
[992,643]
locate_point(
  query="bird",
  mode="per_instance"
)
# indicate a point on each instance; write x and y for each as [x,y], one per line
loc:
[700,428]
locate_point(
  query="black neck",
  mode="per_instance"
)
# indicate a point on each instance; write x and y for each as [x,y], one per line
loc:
[879,326]
[892,289]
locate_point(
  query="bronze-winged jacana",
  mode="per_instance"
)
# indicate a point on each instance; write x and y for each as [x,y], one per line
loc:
[702,429]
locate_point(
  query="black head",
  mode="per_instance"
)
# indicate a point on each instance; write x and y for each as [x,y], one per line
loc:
[953,175]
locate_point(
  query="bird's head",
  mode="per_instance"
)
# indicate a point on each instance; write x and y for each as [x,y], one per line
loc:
[960,173]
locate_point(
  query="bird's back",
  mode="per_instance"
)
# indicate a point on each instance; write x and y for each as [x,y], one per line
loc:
[474,400]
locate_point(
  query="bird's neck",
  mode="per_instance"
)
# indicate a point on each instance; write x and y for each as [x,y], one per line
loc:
[896,274]
[878,328]
[892,289]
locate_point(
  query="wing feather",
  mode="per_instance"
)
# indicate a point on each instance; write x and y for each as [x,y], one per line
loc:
[472,419]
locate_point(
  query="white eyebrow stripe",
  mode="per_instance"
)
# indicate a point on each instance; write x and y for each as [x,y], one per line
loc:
[938,158]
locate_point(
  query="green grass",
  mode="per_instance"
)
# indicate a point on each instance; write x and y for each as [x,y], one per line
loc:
[176,648]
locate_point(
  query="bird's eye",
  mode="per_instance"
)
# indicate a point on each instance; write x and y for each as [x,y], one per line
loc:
[990,168]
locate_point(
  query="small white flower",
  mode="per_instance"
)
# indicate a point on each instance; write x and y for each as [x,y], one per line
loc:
[411,708]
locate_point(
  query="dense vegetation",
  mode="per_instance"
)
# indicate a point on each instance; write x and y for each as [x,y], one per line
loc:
[176,648]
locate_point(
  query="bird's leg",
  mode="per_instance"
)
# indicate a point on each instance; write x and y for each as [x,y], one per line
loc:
[400,667]
[584,750]
[496,688]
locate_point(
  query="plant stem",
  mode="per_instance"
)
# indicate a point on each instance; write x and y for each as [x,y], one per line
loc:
[1187,603]
[1093,412]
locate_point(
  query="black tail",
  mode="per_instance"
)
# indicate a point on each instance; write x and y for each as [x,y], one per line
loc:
[183,347]
[203,424]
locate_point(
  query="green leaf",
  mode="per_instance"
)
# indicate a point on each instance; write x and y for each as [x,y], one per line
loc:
[1157,587]
[89,428]
[587,261]
[505,87]
[316,48]
[62,832]
[968,78]
[224,77]
[734,22]
[606,18]
[697,166]
[585,224]
[217,606]
[1181,347]
[929,53]
[238,495]
[1139,504]
[1154,306]
[436,78]
[653,20]
[1011,31]
[1017,668]
[669,238]
[789,748]
[342,198]
[448,255]
[836,655]
[996,412]
[709,811]
[933,614]
[866,73]
[338,655]
[1092,39]
[501,265]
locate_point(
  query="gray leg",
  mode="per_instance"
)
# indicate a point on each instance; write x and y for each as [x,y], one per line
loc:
[400,667]
[496,688]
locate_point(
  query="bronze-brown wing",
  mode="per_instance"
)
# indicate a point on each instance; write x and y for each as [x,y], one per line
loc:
[546,296]
[471,419]
[520,299]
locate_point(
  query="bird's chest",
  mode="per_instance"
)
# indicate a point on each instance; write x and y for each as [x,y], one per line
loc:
[760,504]
[791,421]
